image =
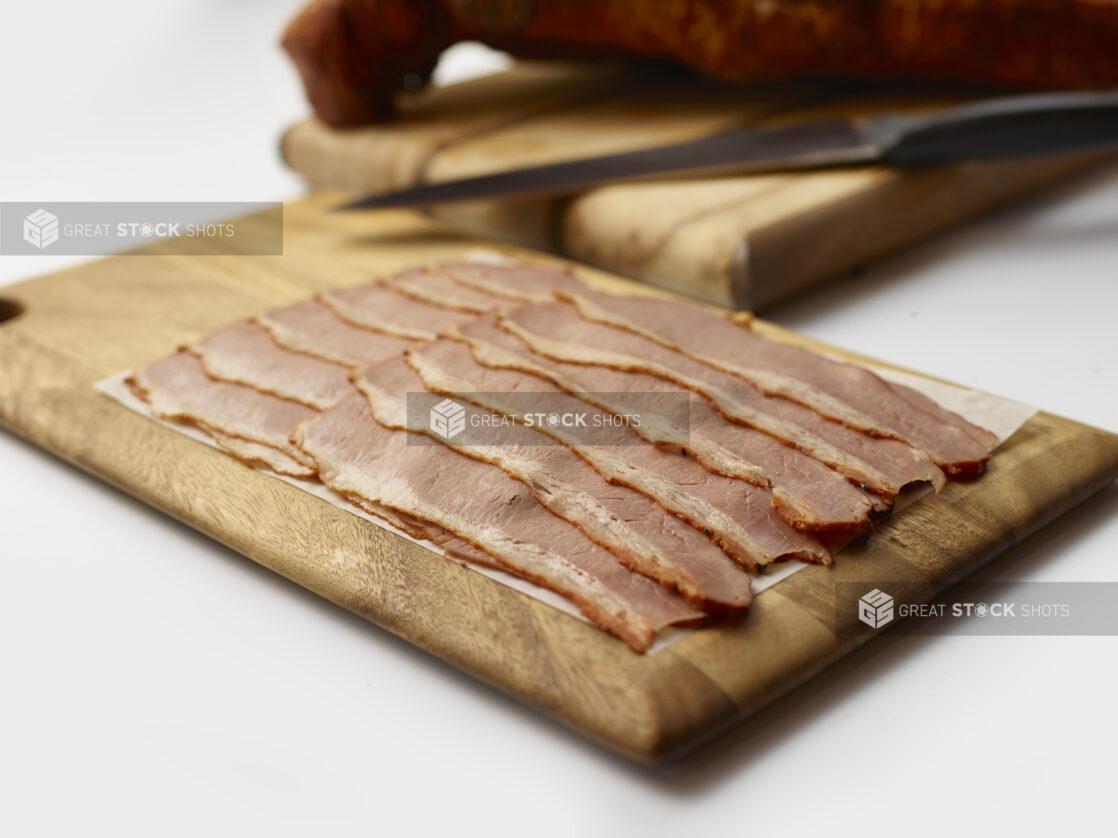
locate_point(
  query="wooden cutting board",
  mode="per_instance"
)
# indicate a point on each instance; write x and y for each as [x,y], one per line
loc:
[743,242]
[61,333]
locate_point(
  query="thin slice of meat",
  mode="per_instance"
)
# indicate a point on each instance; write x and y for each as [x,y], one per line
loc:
[514,280]
[313,328]
[987,439]
[642,534]
[384,309]
[840,391]
[478,502]
[178,388]
[807,493]
[556,330]
[256,453]
[245,353]
[430,285]
[737,515]
[455,547]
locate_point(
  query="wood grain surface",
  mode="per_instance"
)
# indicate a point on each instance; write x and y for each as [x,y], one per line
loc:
[82,324]
[735,241]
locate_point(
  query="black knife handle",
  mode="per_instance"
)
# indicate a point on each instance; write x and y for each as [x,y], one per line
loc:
[1044,123]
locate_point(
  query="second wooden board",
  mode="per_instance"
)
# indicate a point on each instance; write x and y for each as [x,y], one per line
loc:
[741,242]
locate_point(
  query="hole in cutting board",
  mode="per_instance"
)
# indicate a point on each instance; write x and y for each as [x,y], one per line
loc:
[9,310]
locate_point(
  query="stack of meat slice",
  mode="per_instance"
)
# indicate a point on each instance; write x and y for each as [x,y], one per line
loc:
[785,454]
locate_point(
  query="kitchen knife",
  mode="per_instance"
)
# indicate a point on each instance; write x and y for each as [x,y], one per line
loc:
[1011,126]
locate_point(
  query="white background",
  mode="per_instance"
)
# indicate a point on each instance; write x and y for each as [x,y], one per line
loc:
[153,682]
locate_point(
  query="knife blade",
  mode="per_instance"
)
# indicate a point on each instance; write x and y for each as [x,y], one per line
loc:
[1045,123]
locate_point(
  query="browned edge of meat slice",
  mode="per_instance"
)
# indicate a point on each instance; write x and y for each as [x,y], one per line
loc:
[435,287]
[357,455]
[737,515]
[519,281]
[839,390]
[177,388]
[384,309]
[643,535]
[246,353]
[312,327]
[983,437]
[455,547]
[257,453]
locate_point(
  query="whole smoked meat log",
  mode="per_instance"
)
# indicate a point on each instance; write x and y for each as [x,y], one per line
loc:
[354,55]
